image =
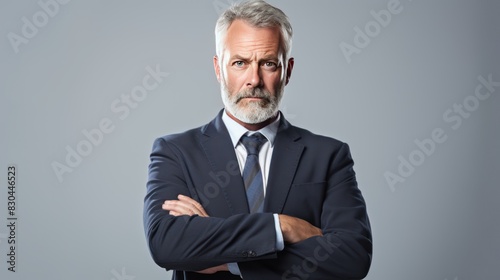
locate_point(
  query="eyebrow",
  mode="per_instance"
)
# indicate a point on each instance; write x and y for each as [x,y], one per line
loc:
[238,57]
[265,58]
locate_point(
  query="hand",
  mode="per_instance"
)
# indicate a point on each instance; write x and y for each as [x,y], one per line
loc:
[212,270]
[184,206]
[295,230]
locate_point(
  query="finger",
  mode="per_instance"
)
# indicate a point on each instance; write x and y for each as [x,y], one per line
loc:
[194,204]
[207,271]
[177,206]
[169,205]
[214,269]
[174,213]
[165,205]
[200,210]
[182,207]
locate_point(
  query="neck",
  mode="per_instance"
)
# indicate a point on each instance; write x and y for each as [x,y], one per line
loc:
[253,126]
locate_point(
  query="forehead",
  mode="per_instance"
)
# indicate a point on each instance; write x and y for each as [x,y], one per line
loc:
[243,38]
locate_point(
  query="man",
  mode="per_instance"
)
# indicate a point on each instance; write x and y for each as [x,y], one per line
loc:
[249,195]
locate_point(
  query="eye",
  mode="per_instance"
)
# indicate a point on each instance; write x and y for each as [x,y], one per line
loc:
[239,63]
[270,65]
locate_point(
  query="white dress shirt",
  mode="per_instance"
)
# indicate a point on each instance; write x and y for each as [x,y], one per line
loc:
[236,130]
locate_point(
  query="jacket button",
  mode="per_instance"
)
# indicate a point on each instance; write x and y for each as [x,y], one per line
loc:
[252,254]
[244,254]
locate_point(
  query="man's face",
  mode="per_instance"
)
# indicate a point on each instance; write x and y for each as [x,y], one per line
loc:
[251,72]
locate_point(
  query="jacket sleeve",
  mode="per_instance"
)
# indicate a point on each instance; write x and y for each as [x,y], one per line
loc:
[345,249]
[194,243]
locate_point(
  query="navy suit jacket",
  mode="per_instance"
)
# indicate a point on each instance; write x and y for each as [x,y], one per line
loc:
[311,177]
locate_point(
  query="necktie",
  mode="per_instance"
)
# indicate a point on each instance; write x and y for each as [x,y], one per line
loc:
[252,174]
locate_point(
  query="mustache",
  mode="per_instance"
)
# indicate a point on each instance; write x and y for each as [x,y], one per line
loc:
[255,93]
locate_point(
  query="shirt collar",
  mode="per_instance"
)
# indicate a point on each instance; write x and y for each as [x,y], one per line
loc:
[236,130]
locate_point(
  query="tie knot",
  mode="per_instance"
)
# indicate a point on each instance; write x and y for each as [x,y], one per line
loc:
[253,143]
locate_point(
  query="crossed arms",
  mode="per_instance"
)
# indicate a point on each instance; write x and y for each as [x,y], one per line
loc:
[335,241]
[293,229]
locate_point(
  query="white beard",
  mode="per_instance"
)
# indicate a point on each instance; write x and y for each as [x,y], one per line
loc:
[254,111]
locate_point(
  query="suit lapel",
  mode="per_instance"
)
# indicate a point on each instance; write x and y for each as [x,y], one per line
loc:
[220,153]
[221,156]
[284,163]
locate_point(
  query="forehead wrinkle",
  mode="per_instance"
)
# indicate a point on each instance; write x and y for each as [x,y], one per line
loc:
[248,41]
[253,50]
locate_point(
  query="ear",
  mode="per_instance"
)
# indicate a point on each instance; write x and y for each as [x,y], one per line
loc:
[217,67]
[289,69]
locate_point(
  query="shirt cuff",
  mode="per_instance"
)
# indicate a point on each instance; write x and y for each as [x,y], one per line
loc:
[233,268]
[280,243]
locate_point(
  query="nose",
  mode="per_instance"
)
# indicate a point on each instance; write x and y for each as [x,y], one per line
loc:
[254,79]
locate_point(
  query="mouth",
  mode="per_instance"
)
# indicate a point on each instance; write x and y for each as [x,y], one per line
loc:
[252,99]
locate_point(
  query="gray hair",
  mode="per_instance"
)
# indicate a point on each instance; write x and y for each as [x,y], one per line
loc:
[257,13]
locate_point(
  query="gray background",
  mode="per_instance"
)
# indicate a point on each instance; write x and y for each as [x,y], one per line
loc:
[440,223]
